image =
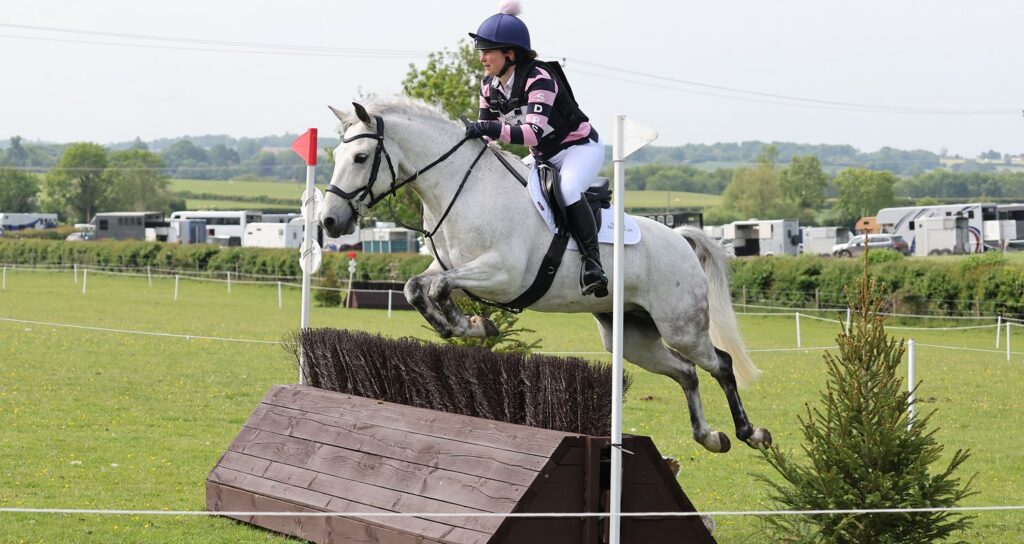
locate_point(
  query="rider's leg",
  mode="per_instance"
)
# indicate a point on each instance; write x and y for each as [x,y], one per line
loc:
[578,167]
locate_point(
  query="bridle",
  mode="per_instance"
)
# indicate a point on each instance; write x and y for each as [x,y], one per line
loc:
[360,194]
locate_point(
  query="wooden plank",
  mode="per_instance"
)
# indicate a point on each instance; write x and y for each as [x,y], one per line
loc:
[332,530]
[484,432]
[385,499]
[544,531]
[592,527]
[502,465]
[321,502]
[488,495]
[666,531]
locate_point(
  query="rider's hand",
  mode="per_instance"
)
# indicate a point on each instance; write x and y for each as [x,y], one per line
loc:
[475,130]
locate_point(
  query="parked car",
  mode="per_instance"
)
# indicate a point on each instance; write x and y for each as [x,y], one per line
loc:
[855,246]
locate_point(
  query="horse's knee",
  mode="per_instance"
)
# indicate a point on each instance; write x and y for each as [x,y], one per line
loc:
[414,291]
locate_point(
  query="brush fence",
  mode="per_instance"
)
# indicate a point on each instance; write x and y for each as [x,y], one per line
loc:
[310,450]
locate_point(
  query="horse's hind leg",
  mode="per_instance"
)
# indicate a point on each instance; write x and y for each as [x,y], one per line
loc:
[689,339]
[642,346]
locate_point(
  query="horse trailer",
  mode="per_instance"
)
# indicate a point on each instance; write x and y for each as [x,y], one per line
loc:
[903,221]
[941,236]
[768,237]
[821,240]
[23,221]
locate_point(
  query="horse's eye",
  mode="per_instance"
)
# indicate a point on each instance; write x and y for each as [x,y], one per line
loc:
[361,158]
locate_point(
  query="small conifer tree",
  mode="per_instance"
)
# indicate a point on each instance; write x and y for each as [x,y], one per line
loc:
[328,295]
[861,453]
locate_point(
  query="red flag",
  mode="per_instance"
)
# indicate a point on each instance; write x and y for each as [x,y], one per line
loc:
[305,146]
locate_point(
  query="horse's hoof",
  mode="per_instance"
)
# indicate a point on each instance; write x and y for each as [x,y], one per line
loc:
[482,324]
[760,439]
[717,442]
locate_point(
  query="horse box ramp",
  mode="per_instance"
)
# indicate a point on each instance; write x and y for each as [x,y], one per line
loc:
[310,450]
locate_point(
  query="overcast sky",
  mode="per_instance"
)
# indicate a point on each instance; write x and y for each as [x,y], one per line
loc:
[905,74]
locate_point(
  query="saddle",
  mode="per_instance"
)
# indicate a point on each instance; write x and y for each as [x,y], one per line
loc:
[598,195]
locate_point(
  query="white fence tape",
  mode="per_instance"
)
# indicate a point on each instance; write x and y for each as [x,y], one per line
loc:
[759,513]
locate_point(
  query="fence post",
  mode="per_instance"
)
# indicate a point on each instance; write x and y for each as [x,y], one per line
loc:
[798,342]
[279,305]
[744,299]
[847,320]
[176,279]
[1008,340]
[149,275]
[85,279]
[999,328]
[76,276]
[5,279]
[816,303]
[389,303]
[910,383]
[229,282]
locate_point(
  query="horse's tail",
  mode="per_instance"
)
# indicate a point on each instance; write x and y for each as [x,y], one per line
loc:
[724,332]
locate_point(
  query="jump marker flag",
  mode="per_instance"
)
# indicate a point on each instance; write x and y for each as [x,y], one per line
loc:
[629,137]
[309,253]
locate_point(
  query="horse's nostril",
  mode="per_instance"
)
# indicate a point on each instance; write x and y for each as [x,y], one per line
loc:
[328,222]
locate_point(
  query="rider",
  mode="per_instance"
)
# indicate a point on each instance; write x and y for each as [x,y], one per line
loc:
[539,112]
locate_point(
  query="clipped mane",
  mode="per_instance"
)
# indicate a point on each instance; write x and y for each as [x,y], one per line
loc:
[404,105]
[414,107]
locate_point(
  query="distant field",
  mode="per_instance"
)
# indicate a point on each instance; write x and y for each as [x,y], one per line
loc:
[285,190]
[227,188]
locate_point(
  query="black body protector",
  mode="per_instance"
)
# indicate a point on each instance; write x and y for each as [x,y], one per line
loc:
[565,116]
[581,217]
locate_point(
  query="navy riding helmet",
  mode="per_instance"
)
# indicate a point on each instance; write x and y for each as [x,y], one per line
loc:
[501,30]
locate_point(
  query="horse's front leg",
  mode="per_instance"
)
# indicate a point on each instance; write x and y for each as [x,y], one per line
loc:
[416,293]
[486,271]
[476,326]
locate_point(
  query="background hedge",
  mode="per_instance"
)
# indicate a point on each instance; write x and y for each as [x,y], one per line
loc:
[975,285]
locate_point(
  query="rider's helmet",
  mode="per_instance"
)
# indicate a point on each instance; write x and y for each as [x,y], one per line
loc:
[503,29]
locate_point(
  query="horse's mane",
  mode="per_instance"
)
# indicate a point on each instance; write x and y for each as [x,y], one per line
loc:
[414,107]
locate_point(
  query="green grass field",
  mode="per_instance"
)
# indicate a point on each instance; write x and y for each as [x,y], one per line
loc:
[284,190]
[111,420]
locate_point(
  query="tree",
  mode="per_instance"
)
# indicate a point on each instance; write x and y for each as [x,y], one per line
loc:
[803,183]
[137,143]
[18,191]
[450,79]
[138,182]
[16,155]
[863,192]
[77,186]
[755,192]
[862,451]
[328,294]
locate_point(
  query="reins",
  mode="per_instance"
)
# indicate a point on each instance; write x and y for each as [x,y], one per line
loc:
[367,190]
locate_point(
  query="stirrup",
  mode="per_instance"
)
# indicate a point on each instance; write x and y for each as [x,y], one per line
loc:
[598,287]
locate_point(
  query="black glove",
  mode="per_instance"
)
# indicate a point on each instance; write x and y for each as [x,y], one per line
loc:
[475,130]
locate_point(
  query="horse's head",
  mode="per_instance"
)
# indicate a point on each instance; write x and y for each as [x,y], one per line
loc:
[366,164]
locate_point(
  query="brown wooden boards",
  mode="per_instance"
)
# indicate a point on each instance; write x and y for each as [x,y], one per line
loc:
[309,450]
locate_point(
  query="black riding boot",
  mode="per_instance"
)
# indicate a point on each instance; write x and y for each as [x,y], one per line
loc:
[584,230]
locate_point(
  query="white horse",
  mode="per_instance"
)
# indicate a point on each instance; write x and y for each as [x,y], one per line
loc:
[491,239]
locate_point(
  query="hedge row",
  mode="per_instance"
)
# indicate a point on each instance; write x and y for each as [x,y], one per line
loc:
[201,258]
[978,284]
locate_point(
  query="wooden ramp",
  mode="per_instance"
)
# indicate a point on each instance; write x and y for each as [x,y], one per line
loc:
[310,450]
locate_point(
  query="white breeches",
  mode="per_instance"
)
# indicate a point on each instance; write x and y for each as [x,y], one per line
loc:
[578,166]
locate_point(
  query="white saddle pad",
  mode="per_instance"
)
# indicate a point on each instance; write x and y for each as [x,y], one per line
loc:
[630,231]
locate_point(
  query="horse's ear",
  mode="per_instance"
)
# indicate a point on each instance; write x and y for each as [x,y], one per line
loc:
[342,116]
[361,113]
